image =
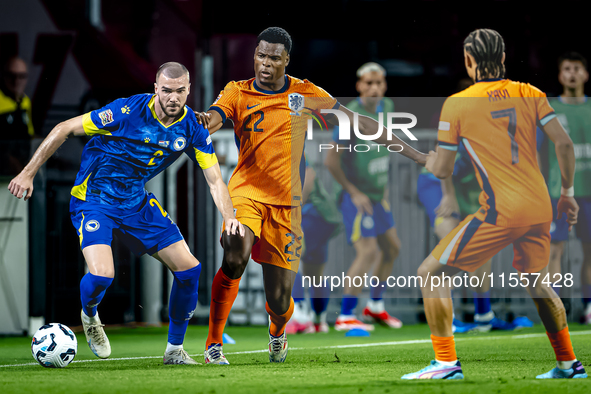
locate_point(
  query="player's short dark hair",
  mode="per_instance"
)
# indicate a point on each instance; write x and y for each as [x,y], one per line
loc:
[487,47]
[172,70]
[276,35]
[573,57]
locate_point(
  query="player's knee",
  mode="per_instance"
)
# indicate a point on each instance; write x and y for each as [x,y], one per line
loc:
[279,302]
[369,253]
[391,251]
[106,271]
[235,261]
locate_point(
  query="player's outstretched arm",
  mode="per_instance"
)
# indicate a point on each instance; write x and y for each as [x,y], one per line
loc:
[449,203]
[221,197]
[211,120]
[441,163]
[23,182]
[369,126]
[565,154]
[359,199]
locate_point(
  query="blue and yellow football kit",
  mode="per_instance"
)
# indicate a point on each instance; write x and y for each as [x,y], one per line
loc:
[129,147]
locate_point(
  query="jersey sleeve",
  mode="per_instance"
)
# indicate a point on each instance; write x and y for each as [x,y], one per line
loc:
[225,103]
[449,125]
[321,99]
[107,120]
[201,149]
[545,112]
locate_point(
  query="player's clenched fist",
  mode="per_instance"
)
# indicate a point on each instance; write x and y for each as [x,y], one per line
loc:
[21,184]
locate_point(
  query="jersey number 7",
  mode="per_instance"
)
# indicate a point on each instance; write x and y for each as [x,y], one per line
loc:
[512,129]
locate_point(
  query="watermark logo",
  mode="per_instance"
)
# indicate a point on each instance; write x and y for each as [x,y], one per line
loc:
[345,134]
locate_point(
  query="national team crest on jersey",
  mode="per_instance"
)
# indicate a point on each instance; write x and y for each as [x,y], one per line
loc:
[179,144]
[296,103]
[92,226]
[106,117]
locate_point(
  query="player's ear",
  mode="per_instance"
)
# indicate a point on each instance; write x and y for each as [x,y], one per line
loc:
[287,60]
[503,58]
[357,86]
[155,88]
[586,76]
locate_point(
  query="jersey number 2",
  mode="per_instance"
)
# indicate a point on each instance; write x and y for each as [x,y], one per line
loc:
[512,129]
[246,126]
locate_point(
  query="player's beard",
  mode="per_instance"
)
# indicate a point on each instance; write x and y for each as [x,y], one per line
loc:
[166,110]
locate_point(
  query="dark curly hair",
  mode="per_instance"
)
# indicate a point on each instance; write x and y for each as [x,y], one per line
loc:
[573,57]
[487,47]
[276,35]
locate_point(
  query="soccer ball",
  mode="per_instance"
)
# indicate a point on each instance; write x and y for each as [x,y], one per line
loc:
[54,345]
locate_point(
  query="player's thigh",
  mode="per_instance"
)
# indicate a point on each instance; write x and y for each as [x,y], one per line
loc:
[177,257]
[531,249]
[367,250]
[471,244]
[280,242]
[99,258]
[555,260]
[444,226]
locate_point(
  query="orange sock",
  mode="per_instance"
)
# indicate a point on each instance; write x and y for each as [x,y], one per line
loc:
[562,345]
[278,322]
[445,348]
[223,294]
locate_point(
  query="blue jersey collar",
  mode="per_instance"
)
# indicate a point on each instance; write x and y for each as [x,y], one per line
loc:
[283,89]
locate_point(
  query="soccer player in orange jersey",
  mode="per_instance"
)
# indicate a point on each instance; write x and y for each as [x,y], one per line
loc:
[269,116]
[496,120]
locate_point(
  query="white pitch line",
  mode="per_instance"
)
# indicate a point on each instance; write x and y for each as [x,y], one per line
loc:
[393,343]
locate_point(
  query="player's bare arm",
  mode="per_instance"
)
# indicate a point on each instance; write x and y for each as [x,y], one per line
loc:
[211,120]
[369,126]
[23,182]
[359,199]
[449,203]
[221,197]
[565,154]
[441,163]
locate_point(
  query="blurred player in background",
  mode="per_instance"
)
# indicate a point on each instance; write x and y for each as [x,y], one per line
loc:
[134,139]
[573,110]
[269,115]
[449,201]
[496,119]
[16,118]
[369,224]
[321,220]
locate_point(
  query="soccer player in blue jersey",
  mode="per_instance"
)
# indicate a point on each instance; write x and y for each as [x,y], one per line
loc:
[134,139]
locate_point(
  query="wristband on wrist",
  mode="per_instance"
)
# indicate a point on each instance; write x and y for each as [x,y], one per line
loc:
[570,192]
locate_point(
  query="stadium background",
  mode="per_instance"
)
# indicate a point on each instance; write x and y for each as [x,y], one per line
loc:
[83,54]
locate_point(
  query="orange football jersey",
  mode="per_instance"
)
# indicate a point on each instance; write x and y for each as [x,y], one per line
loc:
[270,131]
[496,120]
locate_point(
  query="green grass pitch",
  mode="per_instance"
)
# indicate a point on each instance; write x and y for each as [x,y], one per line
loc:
[497,362]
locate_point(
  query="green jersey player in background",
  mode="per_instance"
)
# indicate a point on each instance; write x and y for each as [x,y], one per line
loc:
[368,221]
[573,110]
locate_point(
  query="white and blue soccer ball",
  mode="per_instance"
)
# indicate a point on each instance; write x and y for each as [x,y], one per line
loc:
[54,345]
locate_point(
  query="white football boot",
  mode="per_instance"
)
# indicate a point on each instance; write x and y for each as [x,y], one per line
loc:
[95,335]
